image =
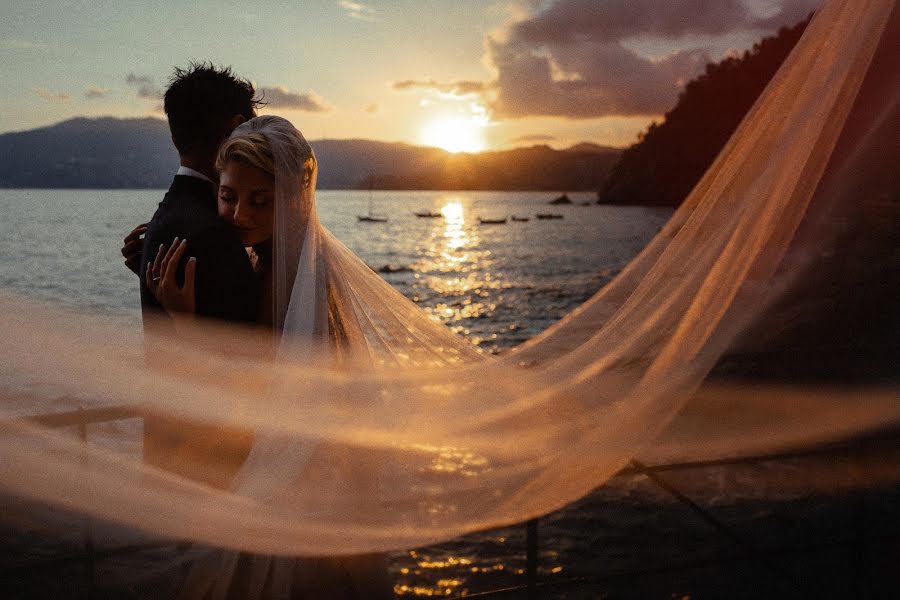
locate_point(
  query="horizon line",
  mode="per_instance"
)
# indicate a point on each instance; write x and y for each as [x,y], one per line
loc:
[536,144]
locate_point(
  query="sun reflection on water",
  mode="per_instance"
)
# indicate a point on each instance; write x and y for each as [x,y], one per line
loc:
[453,211]
[453,272]
[451,574]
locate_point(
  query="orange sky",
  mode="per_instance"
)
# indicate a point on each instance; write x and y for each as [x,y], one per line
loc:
[464,75]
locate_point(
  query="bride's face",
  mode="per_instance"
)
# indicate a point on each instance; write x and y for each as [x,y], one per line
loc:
[247,201]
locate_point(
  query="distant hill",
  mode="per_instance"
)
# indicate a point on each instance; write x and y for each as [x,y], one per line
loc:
[589,147]
[89,153]
[534,168]
[670,158]
[138,153]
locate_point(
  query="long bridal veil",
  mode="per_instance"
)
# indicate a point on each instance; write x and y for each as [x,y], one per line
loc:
[395,432]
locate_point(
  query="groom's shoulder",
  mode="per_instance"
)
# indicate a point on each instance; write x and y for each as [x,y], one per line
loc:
[188,210]
[182,213]
[168,223]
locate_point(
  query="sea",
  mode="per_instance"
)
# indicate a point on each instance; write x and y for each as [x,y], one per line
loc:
[498,285]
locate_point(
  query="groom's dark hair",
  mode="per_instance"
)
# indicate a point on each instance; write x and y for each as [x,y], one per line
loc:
[201,102]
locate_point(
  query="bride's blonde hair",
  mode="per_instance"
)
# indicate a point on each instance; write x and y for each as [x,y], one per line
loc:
[254,149]
[251,149]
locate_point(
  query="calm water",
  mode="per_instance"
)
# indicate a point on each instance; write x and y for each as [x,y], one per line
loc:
[497,284]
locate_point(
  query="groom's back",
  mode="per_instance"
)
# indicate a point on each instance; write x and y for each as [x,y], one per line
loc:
[226,286]
[203,104]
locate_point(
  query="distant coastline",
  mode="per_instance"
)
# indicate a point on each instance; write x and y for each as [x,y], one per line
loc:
[111,153]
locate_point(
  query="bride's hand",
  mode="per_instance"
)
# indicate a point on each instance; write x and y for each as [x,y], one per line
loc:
[132,247]
[160,278]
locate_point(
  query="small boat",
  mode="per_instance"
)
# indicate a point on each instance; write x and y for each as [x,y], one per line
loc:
[484,221]
[548,216]
[392,269]
[520,219]
[564,199]
[428,214]
[371,217]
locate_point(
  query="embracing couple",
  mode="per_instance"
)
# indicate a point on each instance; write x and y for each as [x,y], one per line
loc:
[237,238]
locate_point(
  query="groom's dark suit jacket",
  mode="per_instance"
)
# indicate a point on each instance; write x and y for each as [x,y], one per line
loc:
[226,288]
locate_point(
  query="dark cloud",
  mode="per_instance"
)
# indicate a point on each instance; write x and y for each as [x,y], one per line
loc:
[92,93]
[133,79]
[280,97]
[459,88]
[146,88]
[590,79]
[536,137]
[570,60]
[572,21]
[52,96]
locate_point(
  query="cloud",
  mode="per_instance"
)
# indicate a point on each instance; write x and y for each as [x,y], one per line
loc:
[52,96]
[19,44]
[590,79]
[458,88]
[569,59]
[357,10]
[535,137]
[92,93]
[281,97]
[146,89]
[790,12]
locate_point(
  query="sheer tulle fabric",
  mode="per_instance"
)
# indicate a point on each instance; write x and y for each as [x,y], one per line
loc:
[396,432]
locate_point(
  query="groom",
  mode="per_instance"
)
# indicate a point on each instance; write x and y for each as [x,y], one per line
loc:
[203,105]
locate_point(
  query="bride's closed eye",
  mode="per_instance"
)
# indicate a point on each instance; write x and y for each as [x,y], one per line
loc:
[260,200]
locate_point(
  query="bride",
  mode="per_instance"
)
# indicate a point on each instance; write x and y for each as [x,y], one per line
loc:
[267,177]
[248,199]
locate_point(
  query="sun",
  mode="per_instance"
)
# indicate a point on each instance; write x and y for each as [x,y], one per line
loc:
[455,133]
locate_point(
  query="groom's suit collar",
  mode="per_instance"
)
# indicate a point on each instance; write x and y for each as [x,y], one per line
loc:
[202,190]
[182,170]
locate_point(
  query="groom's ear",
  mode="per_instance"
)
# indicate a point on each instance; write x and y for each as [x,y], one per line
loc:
[235,121]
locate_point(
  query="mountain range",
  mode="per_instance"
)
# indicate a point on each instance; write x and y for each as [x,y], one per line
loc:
[137,153]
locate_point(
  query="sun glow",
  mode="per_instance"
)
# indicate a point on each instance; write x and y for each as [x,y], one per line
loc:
[453,212]
[456,133]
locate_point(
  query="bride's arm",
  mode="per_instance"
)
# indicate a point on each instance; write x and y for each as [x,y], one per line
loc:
[179,302]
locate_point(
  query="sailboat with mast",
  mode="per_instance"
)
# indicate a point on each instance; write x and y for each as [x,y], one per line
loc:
[371,217]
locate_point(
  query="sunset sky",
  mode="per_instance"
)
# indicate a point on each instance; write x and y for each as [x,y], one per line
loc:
[461,74]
